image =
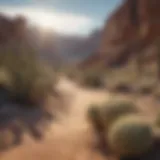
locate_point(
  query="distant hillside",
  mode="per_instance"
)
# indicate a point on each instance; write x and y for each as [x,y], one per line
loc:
[76,48]
[88,46]
[53,47]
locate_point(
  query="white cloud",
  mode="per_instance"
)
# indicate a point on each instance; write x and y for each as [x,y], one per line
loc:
[66,23]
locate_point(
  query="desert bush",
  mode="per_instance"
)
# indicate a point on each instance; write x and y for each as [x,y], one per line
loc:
[115,109]
[33,86]
[120,80]
[30,77]
[117,84]
[123,87]
[71,74]
[92,79]
[145,86]
[130,136]
[41,87]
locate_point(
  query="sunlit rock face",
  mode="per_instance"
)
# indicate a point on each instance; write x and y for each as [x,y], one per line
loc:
[134,24]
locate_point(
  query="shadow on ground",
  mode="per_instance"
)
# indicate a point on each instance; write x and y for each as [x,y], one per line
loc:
[17,119]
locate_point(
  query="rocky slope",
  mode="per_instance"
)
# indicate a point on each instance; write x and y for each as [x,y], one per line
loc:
[55,48]
[132,28]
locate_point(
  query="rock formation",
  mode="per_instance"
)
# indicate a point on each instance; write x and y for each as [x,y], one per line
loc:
[132,28]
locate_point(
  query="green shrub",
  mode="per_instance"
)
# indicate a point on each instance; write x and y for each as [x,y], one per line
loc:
[41,87]
[130,136]
[33,86]
[120,79]
[115,109]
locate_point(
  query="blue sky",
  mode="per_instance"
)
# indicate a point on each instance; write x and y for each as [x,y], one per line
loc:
[67,16]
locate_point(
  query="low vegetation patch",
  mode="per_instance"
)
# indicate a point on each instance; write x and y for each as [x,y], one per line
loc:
[145,85]
[27,79]
[120,80]
[92,79]
[26,83]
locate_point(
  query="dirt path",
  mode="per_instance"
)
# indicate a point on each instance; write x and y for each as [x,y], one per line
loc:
[70,138]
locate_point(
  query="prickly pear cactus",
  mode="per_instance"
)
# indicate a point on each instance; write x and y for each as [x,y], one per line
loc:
[116,109]
[130,136]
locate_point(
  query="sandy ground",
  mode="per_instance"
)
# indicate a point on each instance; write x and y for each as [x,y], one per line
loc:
[69,139]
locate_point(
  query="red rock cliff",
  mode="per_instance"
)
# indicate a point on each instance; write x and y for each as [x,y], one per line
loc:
[134,25]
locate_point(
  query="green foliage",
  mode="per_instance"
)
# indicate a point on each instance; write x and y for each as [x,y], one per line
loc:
[116,109]
[130,136]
